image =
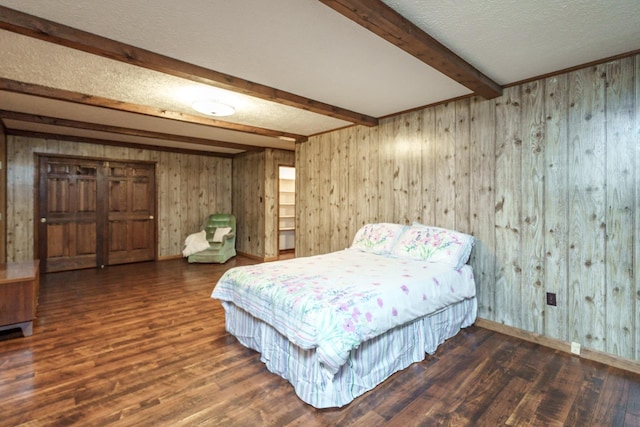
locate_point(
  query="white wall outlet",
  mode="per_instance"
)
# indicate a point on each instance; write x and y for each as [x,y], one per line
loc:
[575,348]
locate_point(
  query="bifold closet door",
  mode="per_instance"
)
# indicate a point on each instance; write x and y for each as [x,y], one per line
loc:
[68,213]
[94,213]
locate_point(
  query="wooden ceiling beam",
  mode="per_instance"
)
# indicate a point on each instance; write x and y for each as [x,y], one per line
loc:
[377,17]
[100,141]
[33,26]
[96,101]
[75,124]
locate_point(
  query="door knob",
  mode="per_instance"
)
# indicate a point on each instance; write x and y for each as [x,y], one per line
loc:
[150,216]
[43,220]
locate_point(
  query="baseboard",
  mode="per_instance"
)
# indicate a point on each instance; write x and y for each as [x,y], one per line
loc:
[560,345]
[246,255]
[251,256]
[169,257]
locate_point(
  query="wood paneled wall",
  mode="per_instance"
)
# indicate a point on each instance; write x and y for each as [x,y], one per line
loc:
[248,202]
[255,200]
[189,188]
[3,192]
[546,177]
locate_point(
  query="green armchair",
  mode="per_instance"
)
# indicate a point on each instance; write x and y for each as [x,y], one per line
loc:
[221,235]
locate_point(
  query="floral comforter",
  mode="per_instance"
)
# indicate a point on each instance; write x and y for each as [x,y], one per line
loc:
[336,301]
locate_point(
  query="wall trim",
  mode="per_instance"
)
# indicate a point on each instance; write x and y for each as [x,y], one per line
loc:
[560,345]
[169,257]
[251,256]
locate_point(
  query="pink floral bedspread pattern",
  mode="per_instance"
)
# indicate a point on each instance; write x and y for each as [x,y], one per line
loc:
[336,301]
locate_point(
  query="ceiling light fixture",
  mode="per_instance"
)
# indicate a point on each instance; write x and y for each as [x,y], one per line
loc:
[287,138]
[212,108]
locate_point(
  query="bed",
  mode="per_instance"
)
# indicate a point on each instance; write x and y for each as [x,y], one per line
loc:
[336,325]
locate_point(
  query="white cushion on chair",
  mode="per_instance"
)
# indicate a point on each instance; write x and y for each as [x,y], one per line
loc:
[196,242]
[220,233]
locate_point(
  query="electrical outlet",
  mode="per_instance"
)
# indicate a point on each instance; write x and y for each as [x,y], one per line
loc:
[551,298]
[575,348]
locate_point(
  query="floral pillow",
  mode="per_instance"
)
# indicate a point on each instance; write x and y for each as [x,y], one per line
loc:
[377,238]
[434,244]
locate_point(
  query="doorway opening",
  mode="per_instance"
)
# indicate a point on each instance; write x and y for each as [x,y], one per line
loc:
[286,211]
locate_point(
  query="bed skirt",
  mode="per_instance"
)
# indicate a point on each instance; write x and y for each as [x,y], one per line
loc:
[368,365]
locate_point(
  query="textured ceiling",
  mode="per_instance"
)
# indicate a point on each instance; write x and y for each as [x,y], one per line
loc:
[82,72]
[299,46]
[512,40]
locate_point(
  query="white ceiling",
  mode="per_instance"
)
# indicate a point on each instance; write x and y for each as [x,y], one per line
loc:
[302,47]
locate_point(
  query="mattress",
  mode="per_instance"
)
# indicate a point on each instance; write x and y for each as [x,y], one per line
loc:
[336,301]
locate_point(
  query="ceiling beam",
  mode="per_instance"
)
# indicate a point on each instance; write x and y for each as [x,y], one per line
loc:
[96,101]
[377,17]
[53,121]
[33,26]
[75,138]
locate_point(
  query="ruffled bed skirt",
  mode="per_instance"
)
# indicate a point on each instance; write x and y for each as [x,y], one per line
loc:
[368,365]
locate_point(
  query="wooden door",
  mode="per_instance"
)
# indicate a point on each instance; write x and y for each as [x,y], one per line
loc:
[94,213]
[131,224]
[68,212]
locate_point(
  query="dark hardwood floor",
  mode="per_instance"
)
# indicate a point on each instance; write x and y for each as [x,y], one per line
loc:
[145,345]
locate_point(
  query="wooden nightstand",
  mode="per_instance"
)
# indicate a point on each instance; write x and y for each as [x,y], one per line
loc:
[19,283]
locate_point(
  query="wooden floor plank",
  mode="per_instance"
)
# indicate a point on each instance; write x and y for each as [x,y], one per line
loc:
[145,345]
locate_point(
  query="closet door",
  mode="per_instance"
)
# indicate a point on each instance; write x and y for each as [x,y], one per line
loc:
[130,223]
[94,213]
[68,212]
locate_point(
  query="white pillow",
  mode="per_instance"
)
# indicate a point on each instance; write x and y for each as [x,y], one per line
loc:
[220,233]
[433,244]
[196,242]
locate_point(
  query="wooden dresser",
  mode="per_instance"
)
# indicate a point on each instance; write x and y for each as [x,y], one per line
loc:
[19,283]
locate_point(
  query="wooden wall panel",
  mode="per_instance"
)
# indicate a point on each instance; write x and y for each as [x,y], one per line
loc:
[482,204]
[319,170]
[407,174]
[462,182]
[445,173]
[3,194]
[587,207]
[363,180]
[386,154]
[532,217]
[556,206]
[635,137]
[301,201]
[358,153]
[248,202]
[192,211]
[172,181]
[271,205]
[428,167]
[508,206]
[176,203]
[545,177]
[221,179]
[400,166]
[324,190]
[337,193]
[368,178]
[20,199]
[163,186]
[620,189]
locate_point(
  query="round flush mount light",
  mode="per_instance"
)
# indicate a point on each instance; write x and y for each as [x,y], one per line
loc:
[212,108]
